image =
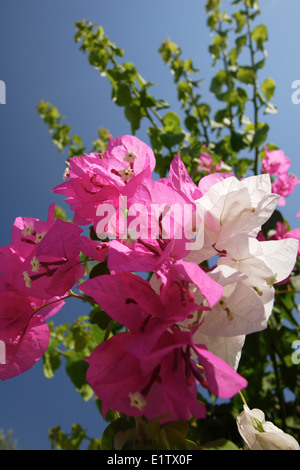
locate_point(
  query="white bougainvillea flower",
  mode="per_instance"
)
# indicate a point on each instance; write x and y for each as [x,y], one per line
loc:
[260,434]
[240,311]
[227,348]
[231,207]
[264,263]
[247,269]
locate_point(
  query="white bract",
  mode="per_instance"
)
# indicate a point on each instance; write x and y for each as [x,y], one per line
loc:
[231,207]
[260,434]
[232,213]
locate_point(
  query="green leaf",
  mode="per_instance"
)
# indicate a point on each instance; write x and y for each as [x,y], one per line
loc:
[240,21]
[98,334]
[98,270]
[260,36]
[99,324]
[246,75]
[260,136]
[268,88]
[170,140]
[123,95]
[120,424]
[162,104]
[51,362]
[63,441]
[212,5]
[134,115]
[100,318]
[171,122]
[191,124]
[76,369]
[295,282]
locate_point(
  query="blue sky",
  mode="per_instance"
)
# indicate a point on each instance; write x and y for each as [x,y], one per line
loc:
[40,60]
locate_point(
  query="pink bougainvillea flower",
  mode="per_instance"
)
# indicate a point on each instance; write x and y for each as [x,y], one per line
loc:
[42,264]
[96,251]
[209,180]
[282,232]
[133,157]
[100,178]
[28,232]
[180,180]
[155,217]
[132,301]
[162,383]
[207,166]
[275,162]
[170,270]
[206,163]
[23,328]
[284,185]
[162,254]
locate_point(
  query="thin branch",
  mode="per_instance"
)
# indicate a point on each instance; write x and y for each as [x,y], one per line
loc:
[250,45]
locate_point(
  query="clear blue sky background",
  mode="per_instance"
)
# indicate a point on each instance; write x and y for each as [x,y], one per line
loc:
[40,60]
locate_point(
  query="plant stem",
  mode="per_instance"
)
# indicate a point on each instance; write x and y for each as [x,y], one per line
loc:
[72,294]
[250,45]
[279,390]
[243,398]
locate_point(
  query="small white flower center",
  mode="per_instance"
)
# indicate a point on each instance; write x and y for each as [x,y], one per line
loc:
[66,173]
[35,265]
[27,231]
[127,174]
[39,237]
[137,400]
[27,279]
[130,157]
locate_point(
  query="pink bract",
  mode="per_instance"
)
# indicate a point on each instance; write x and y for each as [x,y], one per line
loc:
[23,329]
[42,264]
[275,162]
[162,383]
[100,178]
[284,185]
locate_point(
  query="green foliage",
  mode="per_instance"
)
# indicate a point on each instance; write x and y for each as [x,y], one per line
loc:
[6,440]
[235,133]
[73,440]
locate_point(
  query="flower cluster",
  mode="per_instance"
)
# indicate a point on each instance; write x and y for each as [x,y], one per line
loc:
[37,268]
[188,278]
